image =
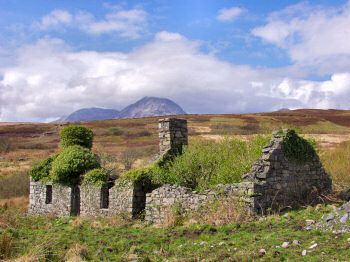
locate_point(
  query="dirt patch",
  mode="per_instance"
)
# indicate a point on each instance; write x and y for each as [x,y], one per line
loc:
[328,140]
[201,129]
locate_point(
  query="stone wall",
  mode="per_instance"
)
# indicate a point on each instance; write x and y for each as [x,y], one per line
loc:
[282,182]
[61,201]
[160,201]
[172,134]
[122,198]
[273,183]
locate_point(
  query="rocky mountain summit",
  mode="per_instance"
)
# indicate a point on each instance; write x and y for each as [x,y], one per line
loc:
[146,107]
[151,106]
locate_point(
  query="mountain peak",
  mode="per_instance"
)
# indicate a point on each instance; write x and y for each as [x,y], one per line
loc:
[145,107]
[151,106]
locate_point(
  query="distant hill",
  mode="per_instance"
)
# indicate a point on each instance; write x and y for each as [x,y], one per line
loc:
[90,114]
[151,106]
[284,109]
[146,107]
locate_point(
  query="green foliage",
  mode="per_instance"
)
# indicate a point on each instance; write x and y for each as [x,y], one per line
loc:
[71,163]
[76,135]
[117,131]
[97,177]
[206,163]
[42,171]
[297,148]
[143,176]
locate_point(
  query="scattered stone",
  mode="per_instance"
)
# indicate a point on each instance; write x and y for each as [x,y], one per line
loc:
[310,222]
[103,243]
[287,215]
[21,159]
[110,249]
[313,246]
[328,217]
[262,252]
[285,245]
[203,243]
[221,243]
[304,253]
[344,218]
[296,243]
[349,239]
[132,256]
[235,249]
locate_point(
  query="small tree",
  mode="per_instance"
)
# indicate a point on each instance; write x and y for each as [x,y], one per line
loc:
[128,158]
[71,163]
[76,135]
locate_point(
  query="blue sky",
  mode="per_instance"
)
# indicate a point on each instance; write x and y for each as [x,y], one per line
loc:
[208,56]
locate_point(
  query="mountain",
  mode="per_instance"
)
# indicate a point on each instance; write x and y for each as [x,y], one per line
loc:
[151,106]
[147,106]
[90,114]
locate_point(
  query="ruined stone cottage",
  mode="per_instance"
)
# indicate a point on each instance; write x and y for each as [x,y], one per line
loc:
[274,182]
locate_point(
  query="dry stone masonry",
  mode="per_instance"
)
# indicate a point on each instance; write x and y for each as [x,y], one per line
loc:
[274,182]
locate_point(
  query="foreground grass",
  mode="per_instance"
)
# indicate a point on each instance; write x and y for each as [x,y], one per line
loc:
[117,239]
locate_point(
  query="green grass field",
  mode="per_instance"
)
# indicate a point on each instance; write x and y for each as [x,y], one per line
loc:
[27,238]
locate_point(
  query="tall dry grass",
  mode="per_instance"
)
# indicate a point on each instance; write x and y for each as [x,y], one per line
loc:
[15,185]
[5,247]
[224,211]
[337,163]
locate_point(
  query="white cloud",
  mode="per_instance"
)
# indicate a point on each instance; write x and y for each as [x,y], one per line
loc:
[127,23]
[229,14]
[49,79]
[309,33]
[55,18]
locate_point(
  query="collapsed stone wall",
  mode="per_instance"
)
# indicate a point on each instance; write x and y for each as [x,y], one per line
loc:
[273,183]
[161,200]
[281,182]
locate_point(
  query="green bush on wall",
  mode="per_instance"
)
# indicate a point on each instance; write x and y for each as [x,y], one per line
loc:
[297,148]
[71,163]
[42,171]
[97,177]
[76,135]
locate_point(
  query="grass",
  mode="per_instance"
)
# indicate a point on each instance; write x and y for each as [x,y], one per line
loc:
[337,163]
[119,239]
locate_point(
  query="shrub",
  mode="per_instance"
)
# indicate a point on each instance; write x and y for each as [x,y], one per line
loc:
[297,148]
[128,158]
[76,135]
[206,163]
[4,145]
[97,176]
[15,185]
[42,170]
[117,131]
[71,163]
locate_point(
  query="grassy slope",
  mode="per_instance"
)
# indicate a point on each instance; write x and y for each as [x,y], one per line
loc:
[115,239]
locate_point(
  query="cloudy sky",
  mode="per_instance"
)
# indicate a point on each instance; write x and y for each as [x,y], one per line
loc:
[209,56]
